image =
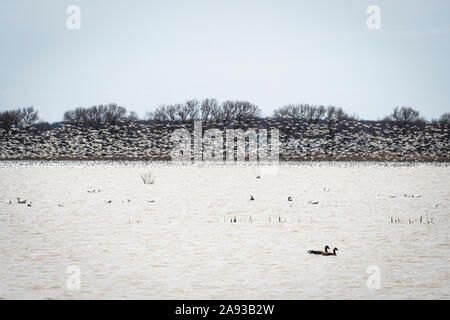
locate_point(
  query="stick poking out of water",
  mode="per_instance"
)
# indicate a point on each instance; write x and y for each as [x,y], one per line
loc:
[147,178]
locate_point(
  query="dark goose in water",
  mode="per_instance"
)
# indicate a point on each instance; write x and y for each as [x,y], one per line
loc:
[330,253]
[318,251]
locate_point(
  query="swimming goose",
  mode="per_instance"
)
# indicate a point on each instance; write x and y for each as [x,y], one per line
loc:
[251,198]
[289,198]
[330,253]
[21,201]
[318,251]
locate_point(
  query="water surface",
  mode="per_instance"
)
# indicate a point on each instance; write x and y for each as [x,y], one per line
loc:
[184,245]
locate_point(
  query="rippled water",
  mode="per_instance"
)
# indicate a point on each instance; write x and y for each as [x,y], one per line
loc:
[184,244]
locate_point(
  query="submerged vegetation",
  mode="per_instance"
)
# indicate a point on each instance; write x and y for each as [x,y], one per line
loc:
[147,178]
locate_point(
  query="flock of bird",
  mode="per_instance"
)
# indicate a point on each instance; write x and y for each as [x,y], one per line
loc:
[232,220]
[30,204]
[345,140]
[290,199]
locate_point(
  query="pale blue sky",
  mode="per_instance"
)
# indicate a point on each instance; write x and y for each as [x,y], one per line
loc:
[141,54]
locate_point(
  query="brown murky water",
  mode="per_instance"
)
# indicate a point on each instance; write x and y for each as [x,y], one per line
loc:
[185,245]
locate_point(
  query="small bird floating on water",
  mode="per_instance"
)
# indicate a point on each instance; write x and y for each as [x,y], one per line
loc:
[289,198]
[21,201]
[251,198]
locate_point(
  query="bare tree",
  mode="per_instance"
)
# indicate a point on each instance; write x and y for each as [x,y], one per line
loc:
[131,117]
[19,118]
[333,113]
[28,116]
[404,115]
[96,116]
[301,112]
[191,109]
[314,114]
[245,110]
[76,117]
[445,118]
[238,110]
[160,114]
[209,109]
[114,114]
[9,118]
[99,116]
[286,112]
[226,111]
[164,113]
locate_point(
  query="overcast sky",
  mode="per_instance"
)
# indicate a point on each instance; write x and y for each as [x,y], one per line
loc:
[141,54]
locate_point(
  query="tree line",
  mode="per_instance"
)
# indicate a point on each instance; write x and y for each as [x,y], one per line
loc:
[100,116]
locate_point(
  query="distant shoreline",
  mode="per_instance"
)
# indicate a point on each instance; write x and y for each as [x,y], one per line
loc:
[297,142]
[282,160]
